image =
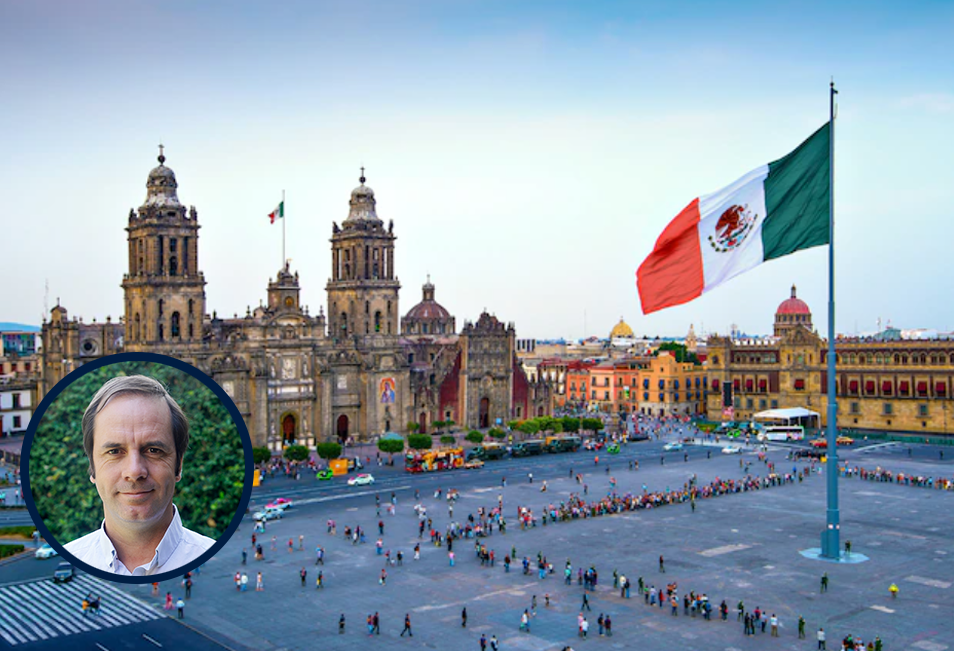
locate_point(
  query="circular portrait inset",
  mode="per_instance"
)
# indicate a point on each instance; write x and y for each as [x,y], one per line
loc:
[137,467]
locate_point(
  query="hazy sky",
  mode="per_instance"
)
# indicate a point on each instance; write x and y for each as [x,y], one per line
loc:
[529,153]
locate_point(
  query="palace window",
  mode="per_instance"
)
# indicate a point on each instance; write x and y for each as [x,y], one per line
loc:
[774,404]
[855,408]
[922,411]
[887,409]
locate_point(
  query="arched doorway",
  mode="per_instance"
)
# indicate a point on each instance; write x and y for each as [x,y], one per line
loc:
[342,429]
[288,429]
[483,418]
[539,411]
[422,422]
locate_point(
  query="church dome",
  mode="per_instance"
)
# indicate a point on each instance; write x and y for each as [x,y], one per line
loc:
[428,316]
[793,305]
[621,330]
[161,186]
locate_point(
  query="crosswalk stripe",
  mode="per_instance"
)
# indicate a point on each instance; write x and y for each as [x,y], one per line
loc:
[39,610]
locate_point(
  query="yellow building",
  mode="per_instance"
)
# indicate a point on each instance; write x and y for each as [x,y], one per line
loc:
[883,382]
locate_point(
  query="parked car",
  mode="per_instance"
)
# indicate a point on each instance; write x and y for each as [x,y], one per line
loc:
[732,449]
[844,440]
[281,503]
[638,436]
[45,551]
[476,463]
[820,443]
[324,475]
[64,572]
[364,479]
[669,447]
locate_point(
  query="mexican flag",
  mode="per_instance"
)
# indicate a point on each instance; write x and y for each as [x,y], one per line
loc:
[774,210]
[278,213]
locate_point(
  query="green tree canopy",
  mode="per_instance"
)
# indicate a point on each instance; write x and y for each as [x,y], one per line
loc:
[297,453]
[329,450]
[678,351]
[474,436]
[213,472]
[261,455]
[497,433]
[391,446]
[419,441]
[448,439]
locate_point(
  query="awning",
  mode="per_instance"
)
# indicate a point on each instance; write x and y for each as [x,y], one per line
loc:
[715,385]
[870,386]
[737,384]
[922,388]
[785,414]
[853,386]
[886,388]
[940,389]
[903,387]
[763,384]
[748,385]
[799,384]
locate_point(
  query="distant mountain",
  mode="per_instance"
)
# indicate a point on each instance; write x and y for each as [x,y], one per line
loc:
[6,326]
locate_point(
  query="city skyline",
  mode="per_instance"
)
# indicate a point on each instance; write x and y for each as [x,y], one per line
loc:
[529,157]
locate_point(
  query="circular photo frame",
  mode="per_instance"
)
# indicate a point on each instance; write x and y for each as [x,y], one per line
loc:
[163,456]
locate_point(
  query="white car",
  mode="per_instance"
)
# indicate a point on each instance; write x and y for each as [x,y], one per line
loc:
[669,447]
[268,514]
[45,551]
[363,479]
[732,449]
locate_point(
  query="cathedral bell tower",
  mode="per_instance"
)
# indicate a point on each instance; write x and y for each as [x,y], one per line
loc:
[362,290]
[164,289]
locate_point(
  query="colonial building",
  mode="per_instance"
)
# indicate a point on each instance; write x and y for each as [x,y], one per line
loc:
[882,383]
[297,377]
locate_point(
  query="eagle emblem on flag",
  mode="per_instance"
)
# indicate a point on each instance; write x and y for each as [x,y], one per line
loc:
[732,227]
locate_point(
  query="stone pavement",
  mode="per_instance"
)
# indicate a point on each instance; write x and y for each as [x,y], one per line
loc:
[743,546]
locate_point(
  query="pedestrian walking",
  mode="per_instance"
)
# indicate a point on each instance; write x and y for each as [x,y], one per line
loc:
[301,542]
[824,582]
[662,564]
[525,622]
[463,617]
[259,586]
[188,588]
[585,627]
[384,577]
[608,623]
[319,580]
[801,627]
[303,573]
[244,582]
[820,636]
[244,556]
[155,588]
[494,644]
[599,623]
[377,623]
[483,642]
[586,603]
[773,621]
[341,624]
[370,622]
[407,625]
[180,606]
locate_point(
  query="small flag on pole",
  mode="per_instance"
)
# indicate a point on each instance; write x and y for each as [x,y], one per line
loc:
[278,213]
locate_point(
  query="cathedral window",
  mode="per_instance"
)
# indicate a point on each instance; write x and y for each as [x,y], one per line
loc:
[175,325]
[367,328]
[173,244]
[190,306]
[389,314]
[161,303]
[190,331]
[161,333]
[137,333]
[424,326]
[375,271]
[173,265]
[367,307]
[377,321]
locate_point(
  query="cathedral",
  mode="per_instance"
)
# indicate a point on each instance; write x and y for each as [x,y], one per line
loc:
[299,378]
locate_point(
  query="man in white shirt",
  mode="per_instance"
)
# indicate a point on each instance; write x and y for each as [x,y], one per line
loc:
[135,437]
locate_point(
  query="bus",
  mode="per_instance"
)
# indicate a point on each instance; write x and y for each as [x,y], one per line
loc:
[432,460]
[562,443]
[782,433]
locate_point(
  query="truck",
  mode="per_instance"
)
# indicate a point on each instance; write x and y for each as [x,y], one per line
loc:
[487,452]
[562,444]
[529,448]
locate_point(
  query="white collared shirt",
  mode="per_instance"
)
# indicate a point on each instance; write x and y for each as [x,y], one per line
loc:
[178,547]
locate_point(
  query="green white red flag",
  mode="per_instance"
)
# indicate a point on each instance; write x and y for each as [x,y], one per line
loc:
[278,213]
[774,210]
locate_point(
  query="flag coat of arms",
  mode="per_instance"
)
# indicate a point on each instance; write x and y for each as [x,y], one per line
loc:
[774,210]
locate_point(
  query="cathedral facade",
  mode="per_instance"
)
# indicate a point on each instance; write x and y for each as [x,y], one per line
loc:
[299,378]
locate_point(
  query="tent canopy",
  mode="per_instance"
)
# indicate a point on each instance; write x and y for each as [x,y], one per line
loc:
[786,414]
[391,436]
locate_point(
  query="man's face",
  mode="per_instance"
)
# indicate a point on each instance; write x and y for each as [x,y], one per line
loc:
[134,456]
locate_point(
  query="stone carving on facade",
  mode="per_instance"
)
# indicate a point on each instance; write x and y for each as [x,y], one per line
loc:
[288,368]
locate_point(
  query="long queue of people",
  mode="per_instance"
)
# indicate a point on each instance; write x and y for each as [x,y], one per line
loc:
[880,474]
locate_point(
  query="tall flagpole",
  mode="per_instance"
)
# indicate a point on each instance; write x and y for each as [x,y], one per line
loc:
[830,542]
[283,230]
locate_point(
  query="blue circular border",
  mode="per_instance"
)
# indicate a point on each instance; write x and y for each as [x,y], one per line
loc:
[156,359]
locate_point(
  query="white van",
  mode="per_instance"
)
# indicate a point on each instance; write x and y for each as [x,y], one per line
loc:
[782,433]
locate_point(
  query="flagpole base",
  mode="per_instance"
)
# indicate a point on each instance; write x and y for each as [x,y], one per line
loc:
[815,554]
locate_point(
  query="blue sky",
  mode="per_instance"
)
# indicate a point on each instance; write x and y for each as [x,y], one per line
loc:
[528,153]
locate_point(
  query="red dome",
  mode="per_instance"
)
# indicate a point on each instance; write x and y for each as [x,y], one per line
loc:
[793,305]
[427,310]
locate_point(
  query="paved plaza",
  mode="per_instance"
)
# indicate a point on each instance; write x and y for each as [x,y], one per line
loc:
[735,547]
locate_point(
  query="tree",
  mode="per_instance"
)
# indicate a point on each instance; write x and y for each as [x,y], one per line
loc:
[296,453]
[449,424]
[448,439]
[413,427]
[419,441]
[679,351]
[529,427]
[513,424]
[329,450]
[497,433]
[391,446]
[261,455]
[570,424]
[438,425]
[474,436]
[593,424]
